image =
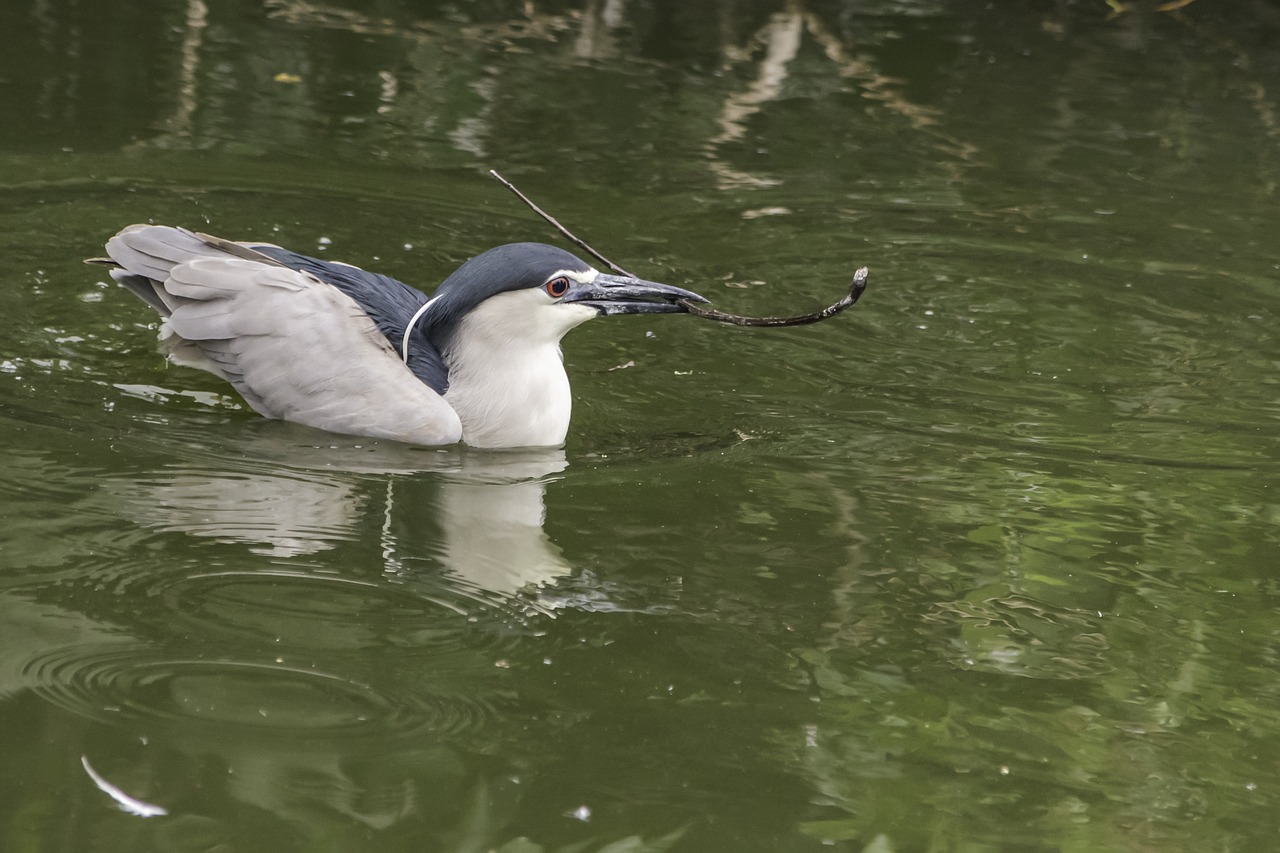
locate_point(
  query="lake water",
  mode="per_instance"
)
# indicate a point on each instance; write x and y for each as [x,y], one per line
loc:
[989,562]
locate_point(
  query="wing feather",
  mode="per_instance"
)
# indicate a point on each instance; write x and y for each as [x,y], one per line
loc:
[293,346]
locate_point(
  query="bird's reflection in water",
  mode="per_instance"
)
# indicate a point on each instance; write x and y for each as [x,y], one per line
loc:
[493,537]
[478,514]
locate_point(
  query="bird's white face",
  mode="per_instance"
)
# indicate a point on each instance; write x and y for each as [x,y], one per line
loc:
[529,317]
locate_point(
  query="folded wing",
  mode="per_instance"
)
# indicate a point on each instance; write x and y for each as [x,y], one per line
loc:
[294,347]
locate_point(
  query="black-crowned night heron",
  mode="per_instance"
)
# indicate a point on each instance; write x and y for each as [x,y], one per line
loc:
[335,347]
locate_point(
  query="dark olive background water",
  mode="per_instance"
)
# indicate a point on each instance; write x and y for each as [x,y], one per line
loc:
[987,563]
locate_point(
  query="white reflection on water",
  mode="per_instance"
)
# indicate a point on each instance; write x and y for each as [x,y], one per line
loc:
[293,500]
[126,803]
[281,516]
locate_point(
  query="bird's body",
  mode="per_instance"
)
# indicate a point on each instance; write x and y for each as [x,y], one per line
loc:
[341,349]
[512,402]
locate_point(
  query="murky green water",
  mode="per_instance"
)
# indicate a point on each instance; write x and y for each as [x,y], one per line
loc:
[988,563]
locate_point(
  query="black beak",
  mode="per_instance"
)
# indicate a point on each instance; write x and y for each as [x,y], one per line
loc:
[615,294]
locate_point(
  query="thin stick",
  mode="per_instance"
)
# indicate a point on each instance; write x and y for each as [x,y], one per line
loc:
[569,235]
[858,285]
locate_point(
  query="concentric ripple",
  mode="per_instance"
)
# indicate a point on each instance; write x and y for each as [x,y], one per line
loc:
[298,653]
[326,613]
[136,684]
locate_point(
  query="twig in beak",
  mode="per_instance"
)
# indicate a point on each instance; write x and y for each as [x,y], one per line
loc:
[856,287]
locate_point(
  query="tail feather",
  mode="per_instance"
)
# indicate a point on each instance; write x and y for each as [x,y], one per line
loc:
[146,289]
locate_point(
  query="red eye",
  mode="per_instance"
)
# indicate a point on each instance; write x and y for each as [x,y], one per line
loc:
[558,286]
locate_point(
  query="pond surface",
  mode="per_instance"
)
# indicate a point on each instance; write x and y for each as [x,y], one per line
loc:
[987,563]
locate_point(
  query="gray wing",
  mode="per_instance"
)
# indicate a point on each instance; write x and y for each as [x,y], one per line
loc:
[294,347]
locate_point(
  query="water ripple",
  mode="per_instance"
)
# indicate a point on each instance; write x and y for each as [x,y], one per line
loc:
[136,683]
[318,612]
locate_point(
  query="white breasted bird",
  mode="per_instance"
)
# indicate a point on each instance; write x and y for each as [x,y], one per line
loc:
[335,347]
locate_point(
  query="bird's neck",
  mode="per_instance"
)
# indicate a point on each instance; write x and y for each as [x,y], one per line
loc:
[506,378]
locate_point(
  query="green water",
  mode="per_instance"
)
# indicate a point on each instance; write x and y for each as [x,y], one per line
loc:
[987,563]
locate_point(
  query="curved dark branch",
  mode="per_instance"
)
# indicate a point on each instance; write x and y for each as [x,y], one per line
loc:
[858,285]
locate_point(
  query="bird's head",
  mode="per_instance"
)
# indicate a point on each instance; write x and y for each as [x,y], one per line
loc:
[532,289]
